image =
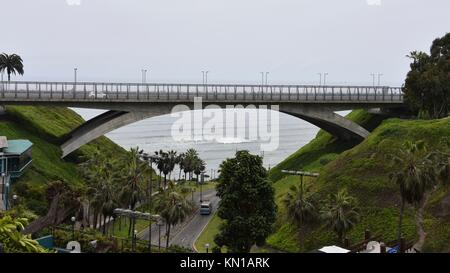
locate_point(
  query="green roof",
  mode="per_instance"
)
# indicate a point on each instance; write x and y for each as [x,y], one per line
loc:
[18,147]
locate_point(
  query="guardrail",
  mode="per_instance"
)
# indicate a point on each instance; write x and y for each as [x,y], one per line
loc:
[57,91]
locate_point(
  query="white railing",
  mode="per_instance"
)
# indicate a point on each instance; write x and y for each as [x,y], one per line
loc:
[57,91]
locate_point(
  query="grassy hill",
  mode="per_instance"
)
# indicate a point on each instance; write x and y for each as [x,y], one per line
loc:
[46,127]
[364,171]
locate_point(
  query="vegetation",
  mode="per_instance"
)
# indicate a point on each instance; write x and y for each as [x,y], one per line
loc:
[173,207]
[427,85]
[11,238]
[301,208]
[341,213]
[207,236]
[365,171]
[12,64]
[418,172]
[247,203]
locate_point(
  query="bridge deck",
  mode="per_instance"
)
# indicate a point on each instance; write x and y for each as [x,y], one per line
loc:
[154,92]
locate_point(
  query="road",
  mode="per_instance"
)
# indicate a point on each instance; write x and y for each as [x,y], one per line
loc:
[186,233]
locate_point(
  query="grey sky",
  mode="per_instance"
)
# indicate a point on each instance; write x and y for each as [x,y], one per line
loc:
[111,40]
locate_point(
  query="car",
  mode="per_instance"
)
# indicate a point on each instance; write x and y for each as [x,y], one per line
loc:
[100,95]
[205,208]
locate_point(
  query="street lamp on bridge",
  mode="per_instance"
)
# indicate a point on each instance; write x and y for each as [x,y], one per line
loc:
[144,75]
[205,77]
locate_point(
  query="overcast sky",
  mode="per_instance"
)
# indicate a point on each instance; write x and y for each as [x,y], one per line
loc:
[112,40]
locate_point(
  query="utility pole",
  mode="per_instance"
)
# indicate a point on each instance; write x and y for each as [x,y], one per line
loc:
[373,79]
[301,174]
[320,78]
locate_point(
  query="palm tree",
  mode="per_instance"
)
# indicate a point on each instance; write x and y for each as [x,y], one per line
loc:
[159,161]
[172,159]
[12,64]
[189,164]
[341,213]
[415,176]
[133,177]
[173,208]
[199,166]
[180,162]
[302,209]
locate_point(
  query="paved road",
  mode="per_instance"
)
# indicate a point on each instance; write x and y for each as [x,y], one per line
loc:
[185,234]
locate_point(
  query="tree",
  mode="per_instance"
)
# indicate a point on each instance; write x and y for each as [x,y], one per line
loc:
[189,162]
[341,213]
[133,178]
[12,64]
[13,240]
[173,207]
[427,85]
[301,207]
[415,176]
[247,203]
[199,167]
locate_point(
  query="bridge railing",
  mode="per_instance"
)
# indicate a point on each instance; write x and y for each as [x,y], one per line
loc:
[186,92]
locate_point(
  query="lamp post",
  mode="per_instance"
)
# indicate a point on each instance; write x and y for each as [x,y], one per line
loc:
[205,77]
[325,78]
[7,195]
[207,247]
[73,227]
[75,70]
[14,197]
[320,78]
[144,75]
[160,224]
[373,79]
[202,180]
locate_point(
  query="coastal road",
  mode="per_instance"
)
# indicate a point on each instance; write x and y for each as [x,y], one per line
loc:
[186,233]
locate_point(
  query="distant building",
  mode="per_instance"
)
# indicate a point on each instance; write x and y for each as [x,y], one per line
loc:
[15,158]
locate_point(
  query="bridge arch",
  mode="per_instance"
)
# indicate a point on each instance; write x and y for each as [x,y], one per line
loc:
[323,117]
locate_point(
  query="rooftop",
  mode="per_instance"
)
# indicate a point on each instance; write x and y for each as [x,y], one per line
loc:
[15,147]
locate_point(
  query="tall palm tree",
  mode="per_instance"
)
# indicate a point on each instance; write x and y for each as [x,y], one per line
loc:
[159,161]
[341,213]
[180,162]
[172,159]
[173,208]
[415,176]
[301,207]
[189,164]
[12,64]
[133,177]
[199,166]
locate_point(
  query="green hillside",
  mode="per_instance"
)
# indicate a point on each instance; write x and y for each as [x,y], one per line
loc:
[364,171]
[46,127]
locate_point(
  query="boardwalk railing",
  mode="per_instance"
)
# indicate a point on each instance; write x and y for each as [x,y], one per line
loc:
[69,91]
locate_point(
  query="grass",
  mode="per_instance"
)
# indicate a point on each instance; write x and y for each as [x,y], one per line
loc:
[46,127]
[364,171]
[121,227]
[207,235]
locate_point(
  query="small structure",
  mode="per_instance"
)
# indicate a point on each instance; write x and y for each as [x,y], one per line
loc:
[15,158]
